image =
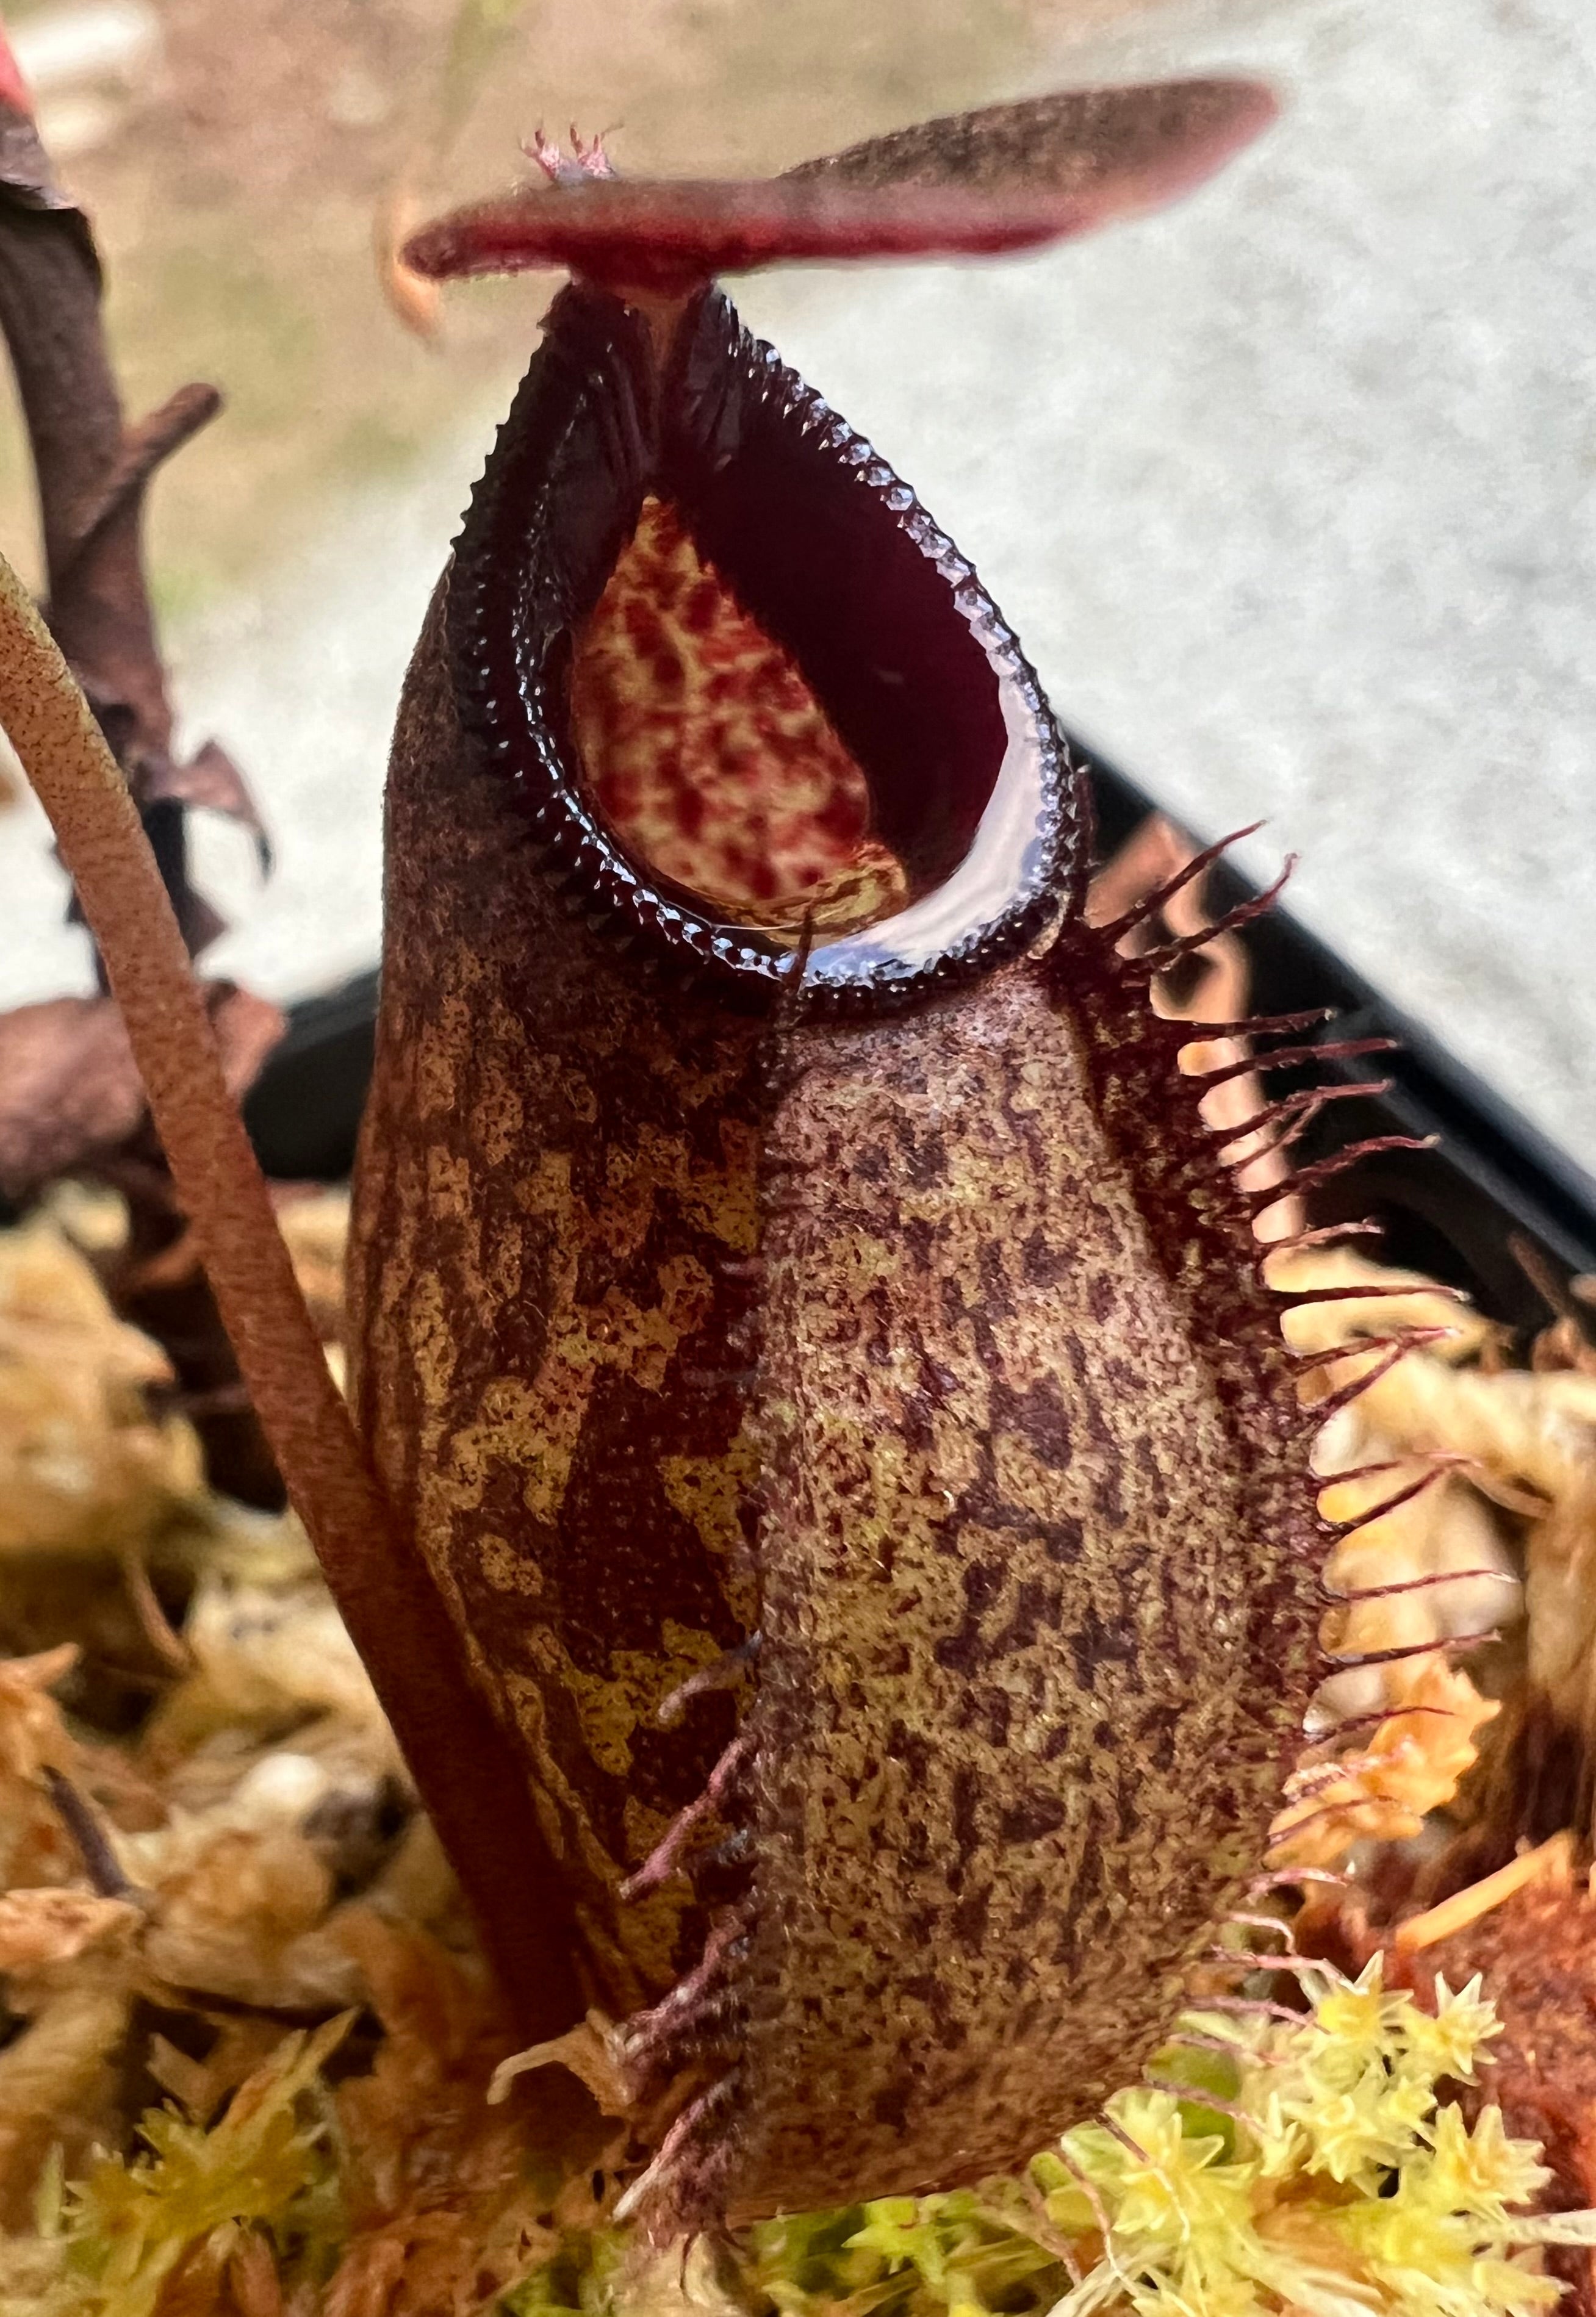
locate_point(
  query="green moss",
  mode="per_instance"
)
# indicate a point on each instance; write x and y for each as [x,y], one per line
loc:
[1309,2168]
[131,2224]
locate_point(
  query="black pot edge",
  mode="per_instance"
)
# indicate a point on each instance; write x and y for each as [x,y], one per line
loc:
[1492,1172]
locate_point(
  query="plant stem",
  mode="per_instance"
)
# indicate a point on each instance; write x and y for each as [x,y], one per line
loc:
[464,1767]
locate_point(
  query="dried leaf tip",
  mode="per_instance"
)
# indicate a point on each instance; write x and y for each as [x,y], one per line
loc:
[1007,177]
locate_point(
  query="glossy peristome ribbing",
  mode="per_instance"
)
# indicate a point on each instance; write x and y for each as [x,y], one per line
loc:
[920,676]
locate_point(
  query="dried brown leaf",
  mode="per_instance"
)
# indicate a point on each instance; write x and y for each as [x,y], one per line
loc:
[70,1092]
[55,2081]
[211,781]
[33,1734]
[84,1467]
[246,1922]
[68,1087]
[54,1926]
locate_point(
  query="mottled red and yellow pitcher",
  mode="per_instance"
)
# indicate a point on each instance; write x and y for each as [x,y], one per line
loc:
[805,1319]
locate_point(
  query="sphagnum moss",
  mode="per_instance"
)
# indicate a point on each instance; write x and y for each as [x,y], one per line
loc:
[1316,2168]
[1331,2176]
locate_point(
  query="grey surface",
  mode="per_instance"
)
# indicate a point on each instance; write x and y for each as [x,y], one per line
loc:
[1289,492]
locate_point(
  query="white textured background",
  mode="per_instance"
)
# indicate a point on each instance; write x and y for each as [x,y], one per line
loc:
[1289,493]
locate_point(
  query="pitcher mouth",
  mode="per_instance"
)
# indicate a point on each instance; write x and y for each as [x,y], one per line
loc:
[750,698]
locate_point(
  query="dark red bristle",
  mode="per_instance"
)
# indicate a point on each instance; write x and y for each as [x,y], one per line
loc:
[1257,2006]
[1407,1340]
[667,1856]
[1258,1025]
[1390,1505]
[1159,961]
[1321,1235]
[1343,1050]
[1298,1966]
[1374,1721]
[1304,1299]
[1196,2097]
[1314,1417]
[1351,1660]
[1153,902]
[1325,1170]
[1283,1878]
[1292,1116]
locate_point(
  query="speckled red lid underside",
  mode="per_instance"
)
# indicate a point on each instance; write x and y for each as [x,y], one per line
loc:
[1008,177]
